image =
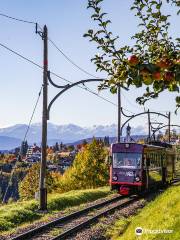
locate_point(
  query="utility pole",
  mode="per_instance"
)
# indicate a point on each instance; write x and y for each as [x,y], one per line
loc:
[149,127]
[169,127]
[119,115]
[42,182]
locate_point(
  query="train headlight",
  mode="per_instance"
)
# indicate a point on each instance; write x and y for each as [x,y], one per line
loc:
[115,178]
[137,179]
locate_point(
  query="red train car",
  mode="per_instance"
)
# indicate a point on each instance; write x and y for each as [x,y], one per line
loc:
[137,167]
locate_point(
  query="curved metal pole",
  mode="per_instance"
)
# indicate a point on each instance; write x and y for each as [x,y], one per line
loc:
[67,87]
[142,114]
[54,84]
[126,114]
[173,125]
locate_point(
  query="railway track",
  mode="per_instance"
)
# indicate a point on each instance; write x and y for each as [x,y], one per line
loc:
[68,225]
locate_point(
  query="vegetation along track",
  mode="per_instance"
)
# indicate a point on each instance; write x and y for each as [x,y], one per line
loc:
[65,226]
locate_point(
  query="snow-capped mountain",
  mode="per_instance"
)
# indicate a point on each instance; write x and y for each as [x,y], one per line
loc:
[65,133]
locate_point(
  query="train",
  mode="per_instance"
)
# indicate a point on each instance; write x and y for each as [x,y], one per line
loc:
[137,168]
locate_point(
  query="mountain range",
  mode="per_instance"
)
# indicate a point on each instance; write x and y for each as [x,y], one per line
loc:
[11,137]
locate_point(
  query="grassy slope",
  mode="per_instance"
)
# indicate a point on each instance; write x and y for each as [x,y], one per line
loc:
[14,214]
[162,213]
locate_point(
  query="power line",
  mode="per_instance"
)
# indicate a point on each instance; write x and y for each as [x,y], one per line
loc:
[62,78]
[107,100]
[30,61]
[52,42]
[33,113]
[16,19]
[132,104]
[18,54]
[70,60]
[25,135]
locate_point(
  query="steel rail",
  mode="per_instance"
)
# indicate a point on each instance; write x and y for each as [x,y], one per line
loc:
[37,230]
[93,219]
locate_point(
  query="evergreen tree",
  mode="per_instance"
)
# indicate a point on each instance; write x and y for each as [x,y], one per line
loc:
[61,146]
[106,141]
[56,147]
[24,148]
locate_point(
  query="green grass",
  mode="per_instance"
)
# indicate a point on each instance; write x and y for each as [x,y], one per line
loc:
[15,214]
[163,213]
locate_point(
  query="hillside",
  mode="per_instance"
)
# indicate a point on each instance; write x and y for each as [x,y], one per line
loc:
[9,142]
[162,214]
[13,215]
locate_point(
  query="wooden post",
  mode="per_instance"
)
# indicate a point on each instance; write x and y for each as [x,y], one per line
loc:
[42,184]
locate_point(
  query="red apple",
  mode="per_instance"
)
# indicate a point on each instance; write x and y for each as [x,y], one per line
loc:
[157,76]
[133,60]
[164,63]
[169,76]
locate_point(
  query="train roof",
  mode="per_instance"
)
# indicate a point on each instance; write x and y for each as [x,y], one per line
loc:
[154,144]
[160,144]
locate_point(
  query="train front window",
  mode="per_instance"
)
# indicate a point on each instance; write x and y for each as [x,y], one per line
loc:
[127,160]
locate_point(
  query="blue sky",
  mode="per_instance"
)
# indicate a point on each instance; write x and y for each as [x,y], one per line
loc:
[67,21]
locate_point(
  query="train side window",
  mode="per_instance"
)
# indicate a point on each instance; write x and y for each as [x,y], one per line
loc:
[147,161]
[158,159]
[155,160]
[163,159]
[138,162]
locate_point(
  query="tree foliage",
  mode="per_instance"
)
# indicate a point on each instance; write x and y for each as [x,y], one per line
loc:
[154,60]
[89,170]
[30,184]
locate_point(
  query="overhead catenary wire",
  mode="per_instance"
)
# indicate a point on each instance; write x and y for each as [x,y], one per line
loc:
[20,55]
[107,100]
[51,41]
[60,77]
[17,19]
[53,73]
[132,104]
[70,60]
[25,136]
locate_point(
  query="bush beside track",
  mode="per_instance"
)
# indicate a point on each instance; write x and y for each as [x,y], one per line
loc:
[14,214]
[162,214]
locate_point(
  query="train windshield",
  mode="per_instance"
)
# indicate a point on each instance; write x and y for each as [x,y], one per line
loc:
[127,160]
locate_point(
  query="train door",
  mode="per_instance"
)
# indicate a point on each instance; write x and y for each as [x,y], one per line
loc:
[170,165]
[145,170]
[177,165]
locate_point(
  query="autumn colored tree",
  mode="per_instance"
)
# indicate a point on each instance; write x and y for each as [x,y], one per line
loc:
[30,183]
[153,61]
[89,170]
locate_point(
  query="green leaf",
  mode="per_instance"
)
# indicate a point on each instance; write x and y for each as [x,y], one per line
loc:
[113,89]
